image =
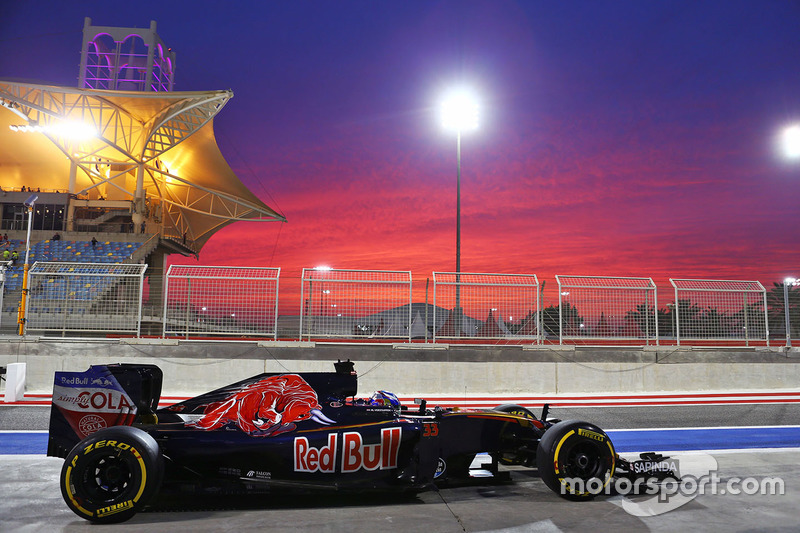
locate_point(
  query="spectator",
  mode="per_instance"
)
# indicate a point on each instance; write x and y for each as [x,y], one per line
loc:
[56,237]
[94,242]
[6,255]
[5,237]
[14,257]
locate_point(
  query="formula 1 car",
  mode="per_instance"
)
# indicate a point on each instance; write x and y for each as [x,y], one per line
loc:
[305,432]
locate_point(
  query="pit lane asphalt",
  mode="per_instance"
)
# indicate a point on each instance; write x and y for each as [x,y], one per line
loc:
[30,499]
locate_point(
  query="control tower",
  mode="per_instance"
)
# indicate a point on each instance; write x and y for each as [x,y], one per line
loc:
[125,59]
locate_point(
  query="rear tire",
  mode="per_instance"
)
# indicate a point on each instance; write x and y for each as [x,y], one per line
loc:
[112,474]
[576,459]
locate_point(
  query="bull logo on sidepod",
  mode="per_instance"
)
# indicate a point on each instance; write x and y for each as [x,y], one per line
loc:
[265,408]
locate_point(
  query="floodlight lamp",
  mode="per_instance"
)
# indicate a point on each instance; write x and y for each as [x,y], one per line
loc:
[460,111]
[31,200]
[322,267]
[791,281]
[790,141]
[70,129]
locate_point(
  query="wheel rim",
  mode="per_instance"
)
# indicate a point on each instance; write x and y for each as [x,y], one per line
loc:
[106,478]
[584,461]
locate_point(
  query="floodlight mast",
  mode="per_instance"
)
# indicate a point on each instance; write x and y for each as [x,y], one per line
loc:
[790,144]
[21,315]
[459,113]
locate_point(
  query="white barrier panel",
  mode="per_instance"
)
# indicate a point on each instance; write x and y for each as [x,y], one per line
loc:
[15,382]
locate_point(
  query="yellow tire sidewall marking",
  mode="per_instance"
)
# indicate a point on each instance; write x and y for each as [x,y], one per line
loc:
[142,485]
[72,496]
[558,449]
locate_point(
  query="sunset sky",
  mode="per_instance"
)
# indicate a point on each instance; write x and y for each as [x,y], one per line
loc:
[618,138]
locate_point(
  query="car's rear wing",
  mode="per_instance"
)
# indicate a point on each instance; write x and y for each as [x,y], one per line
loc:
[103,396]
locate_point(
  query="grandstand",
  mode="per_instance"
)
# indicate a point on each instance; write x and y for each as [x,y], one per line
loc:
[61,295]
[137,167]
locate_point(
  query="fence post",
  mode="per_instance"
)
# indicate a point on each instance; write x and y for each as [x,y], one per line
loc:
[427,284]
[786,283]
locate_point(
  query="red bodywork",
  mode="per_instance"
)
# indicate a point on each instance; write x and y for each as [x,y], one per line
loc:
[267,407]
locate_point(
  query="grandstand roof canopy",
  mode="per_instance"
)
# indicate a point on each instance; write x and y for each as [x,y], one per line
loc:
[156,150]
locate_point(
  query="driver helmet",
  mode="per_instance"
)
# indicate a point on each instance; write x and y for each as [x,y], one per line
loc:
[385,398]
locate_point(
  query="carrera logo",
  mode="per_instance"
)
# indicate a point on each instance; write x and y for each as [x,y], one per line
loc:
[591,434]
[355,455]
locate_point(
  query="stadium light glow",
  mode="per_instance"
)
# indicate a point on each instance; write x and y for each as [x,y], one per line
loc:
[322,267]
[790,142]
[460,111]
[70,129]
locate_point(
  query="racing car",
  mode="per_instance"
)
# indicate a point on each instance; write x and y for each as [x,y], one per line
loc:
[305,432]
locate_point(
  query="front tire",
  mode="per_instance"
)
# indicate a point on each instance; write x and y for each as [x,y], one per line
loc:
[576,459]
[518,410]
[112,474]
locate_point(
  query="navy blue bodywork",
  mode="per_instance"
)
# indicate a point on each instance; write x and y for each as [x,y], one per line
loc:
[304,431]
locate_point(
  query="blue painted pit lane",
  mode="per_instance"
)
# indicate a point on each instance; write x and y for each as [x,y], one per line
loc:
[23,442]
[718,438]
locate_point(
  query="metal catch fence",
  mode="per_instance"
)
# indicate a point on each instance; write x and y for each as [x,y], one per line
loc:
[221,301]
[69,298]
[362,304]
[486,306]
[720,310]
[602,308]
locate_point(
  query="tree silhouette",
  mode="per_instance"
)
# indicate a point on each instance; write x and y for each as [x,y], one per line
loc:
[712,323]
[688,319]
[666,323]
[644,317]
[571,320]
[603,328]
[748,322]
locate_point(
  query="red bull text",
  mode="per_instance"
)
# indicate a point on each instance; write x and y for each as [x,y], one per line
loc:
[355,454]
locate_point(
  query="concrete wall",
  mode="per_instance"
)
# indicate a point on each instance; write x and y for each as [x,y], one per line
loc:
[192,367]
